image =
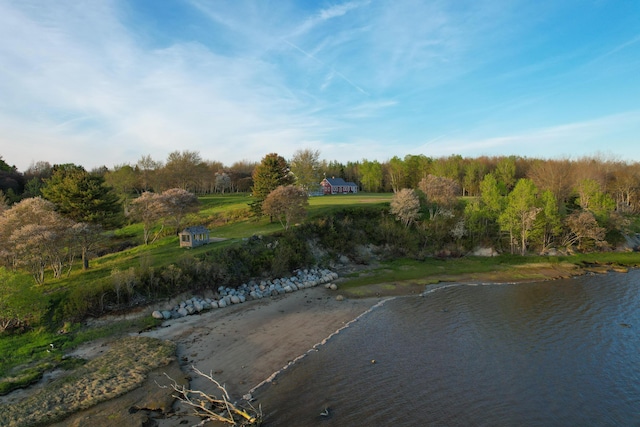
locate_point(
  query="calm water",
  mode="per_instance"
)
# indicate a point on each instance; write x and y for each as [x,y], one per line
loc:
[560,353]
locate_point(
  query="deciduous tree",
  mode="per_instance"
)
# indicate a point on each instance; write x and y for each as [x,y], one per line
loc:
[371,175]
[148,209]
[149,170]
[287,203]
[34,235]
[177,204]
[183,169]
[592,198]
[405,205]
[584,230]
[86,237]
[520,213]
[506,172]
[548,223]
[305,166]
[396,170]
[441,192]
[124,181]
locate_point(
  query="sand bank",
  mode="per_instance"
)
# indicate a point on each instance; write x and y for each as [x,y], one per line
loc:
[242,345]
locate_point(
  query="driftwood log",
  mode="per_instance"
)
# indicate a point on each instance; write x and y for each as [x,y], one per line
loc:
[212,408]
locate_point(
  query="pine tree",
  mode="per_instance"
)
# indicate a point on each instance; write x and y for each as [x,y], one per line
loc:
[271,173]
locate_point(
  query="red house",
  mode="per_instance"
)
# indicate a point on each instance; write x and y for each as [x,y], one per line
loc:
[338,186]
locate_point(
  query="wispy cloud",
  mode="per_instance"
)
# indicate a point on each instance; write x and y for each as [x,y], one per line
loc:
[93,83]
[572,137]
[323,15]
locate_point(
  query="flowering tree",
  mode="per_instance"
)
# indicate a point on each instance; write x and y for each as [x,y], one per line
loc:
[34,236]
[405,205]
[148,209]
[177,204]
[442,193]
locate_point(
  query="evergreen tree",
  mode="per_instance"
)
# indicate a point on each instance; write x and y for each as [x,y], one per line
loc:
[82,197]
[271,173]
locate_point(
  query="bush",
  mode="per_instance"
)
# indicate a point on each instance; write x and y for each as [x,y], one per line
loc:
[291,252]
[83,301]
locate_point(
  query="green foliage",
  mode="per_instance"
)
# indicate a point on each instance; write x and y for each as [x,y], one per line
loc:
[82,196]
[290,252]
[22,306]
[271,173]
[520,213]
[305,166]
[371,175]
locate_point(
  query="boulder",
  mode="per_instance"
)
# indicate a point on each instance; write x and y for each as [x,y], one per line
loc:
[157,315]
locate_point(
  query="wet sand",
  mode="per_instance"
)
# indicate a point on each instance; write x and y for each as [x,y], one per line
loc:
[242,346]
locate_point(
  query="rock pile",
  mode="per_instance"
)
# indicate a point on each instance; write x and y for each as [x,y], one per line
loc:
[226,296]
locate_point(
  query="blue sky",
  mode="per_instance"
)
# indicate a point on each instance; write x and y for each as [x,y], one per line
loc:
[106,82]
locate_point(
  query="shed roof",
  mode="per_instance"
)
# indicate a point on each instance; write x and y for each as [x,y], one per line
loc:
[196,229]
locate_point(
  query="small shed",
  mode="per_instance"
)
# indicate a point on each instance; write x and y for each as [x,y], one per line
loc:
[192,237]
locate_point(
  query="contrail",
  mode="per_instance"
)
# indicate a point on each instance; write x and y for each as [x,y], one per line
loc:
[338,73]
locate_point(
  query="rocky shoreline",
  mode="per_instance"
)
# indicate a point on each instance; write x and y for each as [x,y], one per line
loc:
[226,296]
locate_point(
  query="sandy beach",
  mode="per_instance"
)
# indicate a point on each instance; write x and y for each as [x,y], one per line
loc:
[241,345]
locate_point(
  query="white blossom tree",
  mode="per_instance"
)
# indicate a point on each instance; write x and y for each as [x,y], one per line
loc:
[405,205]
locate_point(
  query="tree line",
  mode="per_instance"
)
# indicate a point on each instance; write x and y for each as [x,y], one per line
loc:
[187,170]
[513,203]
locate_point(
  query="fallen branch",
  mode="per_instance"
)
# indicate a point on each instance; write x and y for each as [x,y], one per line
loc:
[216,409]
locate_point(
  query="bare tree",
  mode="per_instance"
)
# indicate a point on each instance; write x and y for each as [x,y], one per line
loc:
[553,175]
[148,170]
[222,182]
[183,169]
[584,230]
